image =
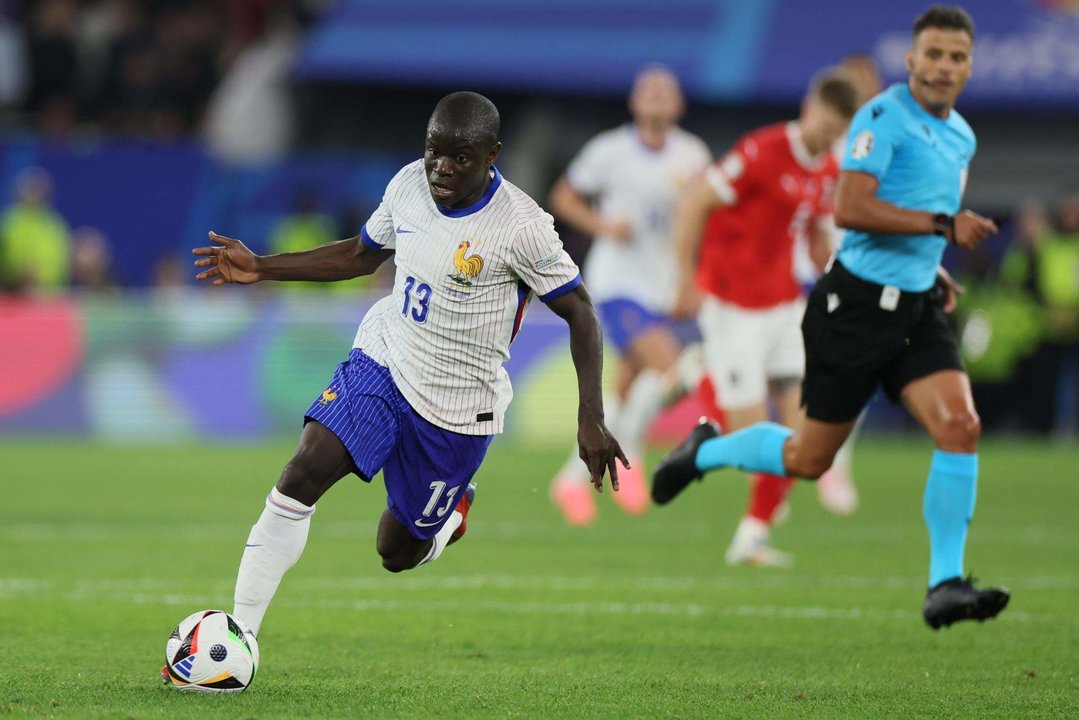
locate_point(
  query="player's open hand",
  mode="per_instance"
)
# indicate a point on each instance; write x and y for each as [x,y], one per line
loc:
[227,261]
[598,450]
[615,228]
[971,229]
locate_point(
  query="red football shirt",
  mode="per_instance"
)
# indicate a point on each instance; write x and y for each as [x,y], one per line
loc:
[774,192]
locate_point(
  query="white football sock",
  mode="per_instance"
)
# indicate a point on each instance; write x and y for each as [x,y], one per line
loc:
[643,401]
[442,538]
[750,535]
[276,541]
[688,372]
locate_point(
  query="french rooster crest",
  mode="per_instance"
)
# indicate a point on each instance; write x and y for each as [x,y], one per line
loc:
[467,267]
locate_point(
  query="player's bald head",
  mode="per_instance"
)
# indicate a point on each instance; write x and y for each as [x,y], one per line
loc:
[467,116]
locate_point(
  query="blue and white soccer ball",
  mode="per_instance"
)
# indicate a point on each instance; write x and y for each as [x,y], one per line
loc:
[211,651]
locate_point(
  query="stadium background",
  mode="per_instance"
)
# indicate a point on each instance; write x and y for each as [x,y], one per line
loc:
[260,119]
[142,417]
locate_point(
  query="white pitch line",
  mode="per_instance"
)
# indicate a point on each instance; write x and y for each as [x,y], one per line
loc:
[362,530]
[15,588]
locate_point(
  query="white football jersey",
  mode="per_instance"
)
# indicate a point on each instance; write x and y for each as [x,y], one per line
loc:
[641,186]
[464,278]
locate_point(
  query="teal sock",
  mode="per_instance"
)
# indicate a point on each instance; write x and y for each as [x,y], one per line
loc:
[757,448]
[948,507]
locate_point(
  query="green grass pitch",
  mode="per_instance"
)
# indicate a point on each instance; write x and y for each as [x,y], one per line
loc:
[104,549]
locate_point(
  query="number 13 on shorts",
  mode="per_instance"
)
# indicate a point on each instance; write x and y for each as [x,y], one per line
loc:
[438,488]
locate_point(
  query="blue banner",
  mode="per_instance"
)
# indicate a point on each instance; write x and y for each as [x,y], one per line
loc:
[724,50]
[153,200]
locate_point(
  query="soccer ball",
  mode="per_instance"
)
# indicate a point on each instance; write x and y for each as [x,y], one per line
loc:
[211,651]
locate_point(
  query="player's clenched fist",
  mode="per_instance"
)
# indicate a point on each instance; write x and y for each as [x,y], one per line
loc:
[971,229]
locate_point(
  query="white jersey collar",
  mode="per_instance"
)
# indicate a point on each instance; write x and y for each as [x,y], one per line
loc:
[799,150]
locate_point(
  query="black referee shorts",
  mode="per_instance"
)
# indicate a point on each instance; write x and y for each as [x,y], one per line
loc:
[859,335]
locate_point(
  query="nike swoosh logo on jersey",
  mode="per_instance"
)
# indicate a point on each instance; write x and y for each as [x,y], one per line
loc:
[833,302]
[402,231]
[421,523]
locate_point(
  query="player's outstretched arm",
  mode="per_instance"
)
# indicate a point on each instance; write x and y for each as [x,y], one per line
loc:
[571,207]
[230,261]
[598,448]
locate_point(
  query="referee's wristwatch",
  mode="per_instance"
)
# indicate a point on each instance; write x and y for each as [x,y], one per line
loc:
[944,225]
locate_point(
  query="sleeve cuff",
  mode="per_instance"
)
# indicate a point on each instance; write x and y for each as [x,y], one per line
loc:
[578,185]
[368,240]
[561,290]
[720,185]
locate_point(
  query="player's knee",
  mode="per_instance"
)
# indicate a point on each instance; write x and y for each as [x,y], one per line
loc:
[811,467]
[958,431]
[296,479]
[395,564]
[306,477]
[806,462]
[397,559]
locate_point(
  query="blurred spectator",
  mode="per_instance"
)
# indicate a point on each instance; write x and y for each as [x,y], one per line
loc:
[250,117]
[186,44]
[35,245]
[1058,280]
[13,64]
[53,62]
[160,70]
[150,68]
[1058,271]
[91,261]
[1018,267]
[305,229]
[1001,328]
[1040,269]
[128,93]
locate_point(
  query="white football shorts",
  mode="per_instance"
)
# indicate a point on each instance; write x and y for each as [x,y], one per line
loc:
[745,348]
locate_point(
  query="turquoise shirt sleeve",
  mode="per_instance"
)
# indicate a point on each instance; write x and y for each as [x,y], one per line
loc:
[874,134]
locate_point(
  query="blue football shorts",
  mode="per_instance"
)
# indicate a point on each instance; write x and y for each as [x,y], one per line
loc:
[624,320]
[425,467]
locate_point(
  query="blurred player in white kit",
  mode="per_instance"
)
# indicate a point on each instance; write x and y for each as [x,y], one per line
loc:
[622,189]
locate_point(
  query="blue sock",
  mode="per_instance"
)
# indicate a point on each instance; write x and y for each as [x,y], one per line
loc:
[948,507]
[757,448]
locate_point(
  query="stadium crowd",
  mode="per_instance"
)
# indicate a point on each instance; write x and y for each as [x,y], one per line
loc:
[139,68]
[156,70]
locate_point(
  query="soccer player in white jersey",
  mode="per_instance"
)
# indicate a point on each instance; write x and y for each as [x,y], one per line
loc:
[622,188]
[423,391]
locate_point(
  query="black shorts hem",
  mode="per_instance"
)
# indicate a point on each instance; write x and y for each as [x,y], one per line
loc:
[855,344]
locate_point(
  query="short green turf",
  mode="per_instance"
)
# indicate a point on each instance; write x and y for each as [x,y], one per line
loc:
[104,549]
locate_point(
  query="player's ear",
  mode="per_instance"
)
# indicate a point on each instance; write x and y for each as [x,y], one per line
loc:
[493,153]
[909,60]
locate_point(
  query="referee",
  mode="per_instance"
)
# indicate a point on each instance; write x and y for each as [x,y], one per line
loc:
[877,317]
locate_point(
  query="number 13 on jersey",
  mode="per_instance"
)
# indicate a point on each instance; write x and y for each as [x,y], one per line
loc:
[417,297]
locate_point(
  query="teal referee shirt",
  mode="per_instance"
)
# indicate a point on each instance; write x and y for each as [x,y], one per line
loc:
[921,162]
